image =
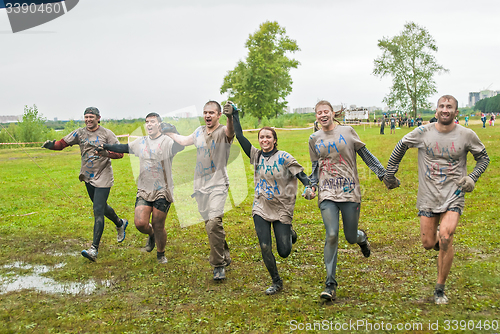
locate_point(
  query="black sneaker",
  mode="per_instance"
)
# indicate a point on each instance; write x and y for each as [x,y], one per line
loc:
[219,273]
[275,288]
[365,248]
[150,245]
[330,293]
[439,297]
[294,236]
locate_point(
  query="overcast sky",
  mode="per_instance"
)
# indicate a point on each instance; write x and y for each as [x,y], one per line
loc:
[129,58]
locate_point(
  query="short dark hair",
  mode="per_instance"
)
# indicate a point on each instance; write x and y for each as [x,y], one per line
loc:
[451,98]
[273,132]
[153,114]
[217,104]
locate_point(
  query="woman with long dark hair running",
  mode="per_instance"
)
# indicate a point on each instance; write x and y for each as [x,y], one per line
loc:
[275,176]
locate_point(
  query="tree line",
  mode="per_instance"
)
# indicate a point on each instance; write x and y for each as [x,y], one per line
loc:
[488,105]
[260,84]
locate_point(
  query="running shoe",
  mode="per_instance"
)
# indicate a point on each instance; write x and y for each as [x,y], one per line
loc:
[150,245]
[439,297]
[162,259]
[120,231]
[365,247]
[330,293]
[90,254]
[275,288]
[219,273]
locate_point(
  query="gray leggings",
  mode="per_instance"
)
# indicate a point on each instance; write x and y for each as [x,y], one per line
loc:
[350,217]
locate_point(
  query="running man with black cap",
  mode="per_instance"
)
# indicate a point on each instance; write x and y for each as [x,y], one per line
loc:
[96,172]
[155,184]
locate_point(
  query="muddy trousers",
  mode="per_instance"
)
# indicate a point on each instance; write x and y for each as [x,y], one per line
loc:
[219,250]
[350,218]
[99,197]
[283,234]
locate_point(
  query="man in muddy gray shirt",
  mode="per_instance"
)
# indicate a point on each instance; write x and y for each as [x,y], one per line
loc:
[211,182]
[154,184]
[96,172]
[442,180]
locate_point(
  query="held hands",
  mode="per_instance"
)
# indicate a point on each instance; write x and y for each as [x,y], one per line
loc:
[100,151]
[229,109]
[167,128]
[467,184]
[391,181]
[309,193]
[49,144]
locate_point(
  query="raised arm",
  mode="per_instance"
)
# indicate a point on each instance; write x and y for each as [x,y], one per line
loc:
[228,110]
[245,144]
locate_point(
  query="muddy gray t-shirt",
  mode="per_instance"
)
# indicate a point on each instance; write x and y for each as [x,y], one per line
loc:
[335,151]
[275,185]
[155,161]
[442,162]
[95,169]
[212,154]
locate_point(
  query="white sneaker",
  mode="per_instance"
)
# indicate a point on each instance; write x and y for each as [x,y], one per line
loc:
[162,260]
[90,254]
[439,297]
[120,231]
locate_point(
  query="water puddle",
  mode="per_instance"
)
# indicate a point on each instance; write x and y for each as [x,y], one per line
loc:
[33,280]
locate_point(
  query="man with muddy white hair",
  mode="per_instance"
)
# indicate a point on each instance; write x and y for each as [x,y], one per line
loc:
[442,180]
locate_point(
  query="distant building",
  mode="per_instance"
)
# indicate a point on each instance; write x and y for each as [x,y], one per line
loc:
[303,110]
[10,119]
[475,97]
[373,108]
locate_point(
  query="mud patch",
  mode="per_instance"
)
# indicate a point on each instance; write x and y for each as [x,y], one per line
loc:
[29,277]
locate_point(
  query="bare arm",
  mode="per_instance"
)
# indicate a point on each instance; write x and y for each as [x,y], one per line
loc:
[230,127]
[181,140]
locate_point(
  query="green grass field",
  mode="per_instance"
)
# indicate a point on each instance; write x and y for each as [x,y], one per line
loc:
[46,219]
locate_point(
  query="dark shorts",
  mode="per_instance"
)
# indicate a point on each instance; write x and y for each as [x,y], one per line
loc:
[161,204]
[393,126]
[432,214]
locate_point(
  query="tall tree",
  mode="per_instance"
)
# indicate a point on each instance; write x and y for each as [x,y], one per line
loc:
[409,59]
[260,84]
[32,128]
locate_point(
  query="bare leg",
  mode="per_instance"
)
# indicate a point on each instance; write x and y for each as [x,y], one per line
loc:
[141,219]
[158,222]
[449,222]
